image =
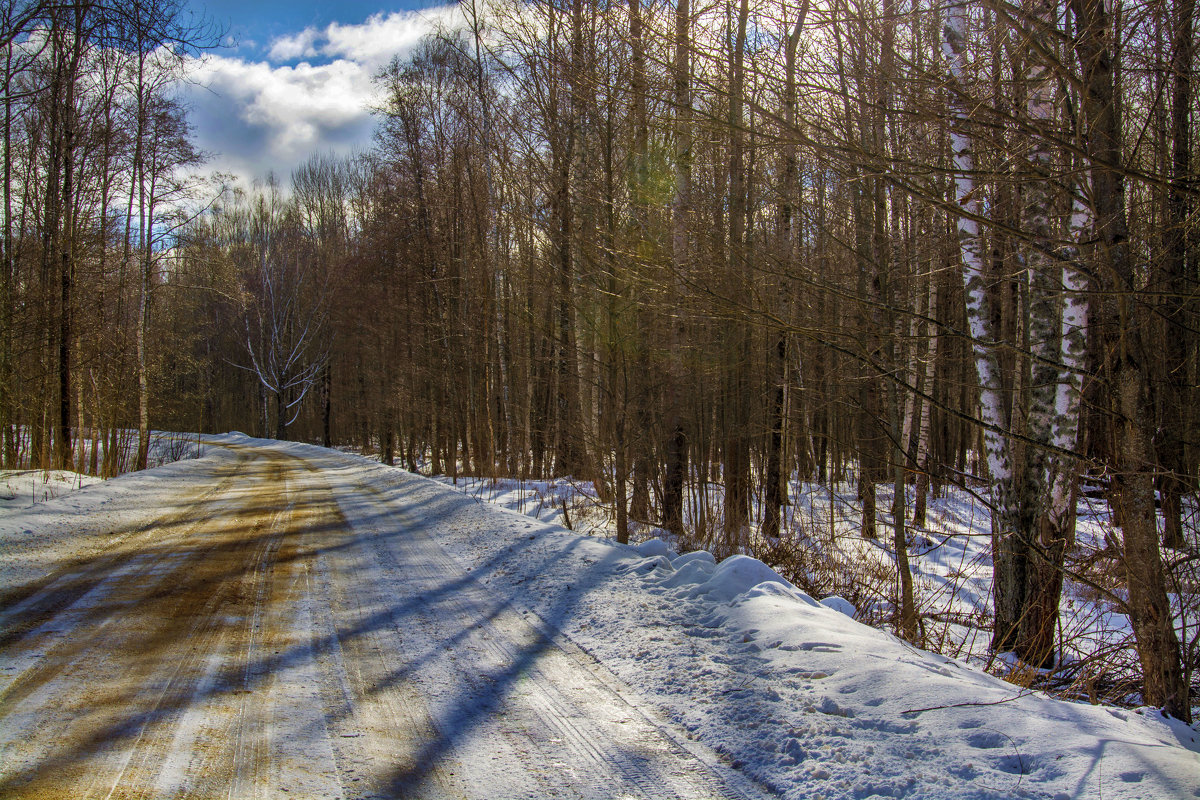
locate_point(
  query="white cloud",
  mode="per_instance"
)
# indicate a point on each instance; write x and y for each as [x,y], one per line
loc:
[299,45]
[256,116]
[372,42]
[380,37]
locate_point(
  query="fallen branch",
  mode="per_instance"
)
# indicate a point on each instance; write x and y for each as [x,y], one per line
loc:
[968,705]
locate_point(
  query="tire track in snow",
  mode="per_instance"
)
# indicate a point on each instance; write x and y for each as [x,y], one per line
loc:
[371,723]
[556,710]
[134,659]
[182,747]
[296,632]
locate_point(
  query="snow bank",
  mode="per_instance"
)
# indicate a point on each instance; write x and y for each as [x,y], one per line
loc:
[734,576]
[840,604]
[654,547]
[23,488]
[700,556]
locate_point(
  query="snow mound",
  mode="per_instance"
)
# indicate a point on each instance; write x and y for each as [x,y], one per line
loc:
[692,572]
[702,556]
[840,604]
[776,590]
[737,575]
[655,547]
[653,566]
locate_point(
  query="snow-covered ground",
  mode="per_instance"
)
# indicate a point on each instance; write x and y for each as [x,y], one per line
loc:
[811,702]
[28,487]
[799,696]
[21,488]
[950,558]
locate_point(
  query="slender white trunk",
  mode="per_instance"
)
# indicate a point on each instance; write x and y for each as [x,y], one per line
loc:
[1068,392]
[970,199]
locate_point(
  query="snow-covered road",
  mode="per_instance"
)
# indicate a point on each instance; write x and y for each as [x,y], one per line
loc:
[266,623]
[280,620]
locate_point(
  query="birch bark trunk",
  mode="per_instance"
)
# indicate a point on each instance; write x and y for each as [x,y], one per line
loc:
[1032,483]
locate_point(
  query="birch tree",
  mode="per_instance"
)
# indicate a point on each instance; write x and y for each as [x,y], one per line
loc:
[1031,472]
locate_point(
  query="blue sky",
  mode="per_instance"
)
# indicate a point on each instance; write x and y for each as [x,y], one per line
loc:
[295,78]
[263,21]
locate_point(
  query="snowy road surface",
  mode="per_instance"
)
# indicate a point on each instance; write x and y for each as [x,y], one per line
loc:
[280,620]
[267,624]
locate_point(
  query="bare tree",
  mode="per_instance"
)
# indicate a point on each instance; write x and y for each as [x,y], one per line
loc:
[284,307]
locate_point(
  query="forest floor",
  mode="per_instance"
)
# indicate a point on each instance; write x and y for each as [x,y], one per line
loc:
[280,620]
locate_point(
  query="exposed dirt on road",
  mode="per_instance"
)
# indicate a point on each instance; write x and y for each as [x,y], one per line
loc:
[285,632]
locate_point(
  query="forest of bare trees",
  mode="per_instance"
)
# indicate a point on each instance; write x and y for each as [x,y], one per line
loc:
[689,252]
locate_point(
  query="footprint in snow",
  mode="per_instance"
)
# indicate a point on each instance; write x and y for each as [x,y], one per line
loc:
[987,740]
[800,672]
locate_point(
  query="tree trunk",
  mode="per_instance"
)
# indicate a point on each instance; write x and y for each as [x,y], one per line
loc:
[1129,413]
[281,416]
[924,428]
[1178,268]
[62,433]
[387,438]
[907,622]
[8,439]
[1007,522]
[775,491]
[143,371]
[736,447]
[621,469]
[326,406]
[676,454]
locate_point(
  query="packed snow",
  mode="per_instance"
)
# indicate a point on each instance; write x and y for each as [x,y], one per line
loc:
[795,693]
